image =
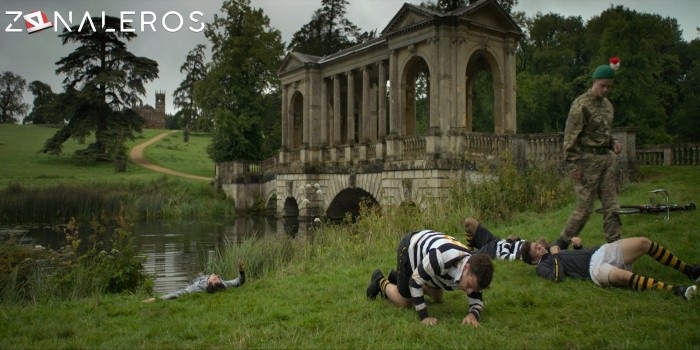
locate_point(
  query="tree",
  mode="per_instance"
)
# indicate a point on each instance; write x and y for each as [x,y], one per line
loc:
[103,80]
[47,109]
[645,93]
[246,53]
[195,70]
[328,31]
[11,89]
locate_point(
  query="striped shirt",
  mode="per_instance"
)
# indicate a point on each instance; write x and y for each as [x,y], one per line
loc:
[437,260]
[508,250]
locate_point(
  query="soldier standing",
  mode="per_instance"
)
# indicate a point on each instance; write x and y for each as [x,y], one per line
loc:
[588,142]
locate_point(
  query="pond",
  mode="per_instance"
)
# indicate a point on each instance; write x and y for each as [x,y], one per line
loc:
[175,250]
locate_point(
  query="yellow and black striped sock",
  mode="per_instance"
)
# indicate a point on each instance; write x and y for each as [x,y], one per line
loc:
[469,237]
[640,283]
[382,285]
[665,257]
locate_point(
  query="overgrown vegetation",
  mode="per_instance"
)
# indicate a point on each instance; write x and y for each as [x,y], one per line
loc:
[85,266]
[162,198]
[508,190]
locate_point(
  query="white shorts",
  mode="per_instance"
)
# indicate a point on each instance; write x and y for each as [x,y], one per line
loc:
[604,259]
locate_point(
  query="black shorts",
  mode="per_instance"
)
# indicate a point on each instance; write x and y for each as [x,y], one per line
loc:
[403,266]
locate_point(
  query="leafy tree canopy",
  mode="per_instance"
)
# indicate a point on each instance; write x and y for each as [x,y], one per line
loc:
[11,104]
[246,53]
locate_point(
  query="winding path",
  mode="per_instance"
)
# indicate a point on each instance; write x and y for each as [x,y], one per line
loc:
[136,156]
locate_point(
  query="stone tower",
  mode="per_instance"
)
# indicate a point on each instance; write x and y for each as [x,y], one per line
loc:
[160,102]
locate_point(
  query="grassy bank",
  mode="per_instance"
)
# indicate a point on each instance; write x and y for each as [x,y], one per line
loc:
[309,292]
[36,187]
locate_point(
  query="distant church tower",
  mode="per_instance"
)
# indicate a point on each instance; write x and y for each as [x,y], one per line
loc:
[160,102]
[154,117]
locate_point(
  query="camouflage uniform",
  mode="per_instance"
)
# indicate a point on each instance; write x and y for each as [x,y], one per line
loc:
[588,142]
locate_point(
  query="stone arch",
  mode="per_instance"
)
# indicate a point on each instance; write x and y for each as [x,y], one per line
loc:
[291,208]
[348,201]
[271,202]
[296,118]
[414,68]
[484,59]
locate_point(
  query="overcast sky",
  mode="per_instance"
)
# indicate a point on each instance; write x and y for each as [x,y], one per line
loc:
[33,56]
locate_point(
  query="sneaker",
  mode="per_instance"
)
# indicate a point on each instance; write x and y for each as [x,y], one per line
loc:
[695,273]
[685,292]
[373,289]
[392,277]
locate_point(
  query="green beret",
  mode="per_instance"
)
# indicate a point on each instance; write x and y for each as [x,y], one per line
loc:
[604,72]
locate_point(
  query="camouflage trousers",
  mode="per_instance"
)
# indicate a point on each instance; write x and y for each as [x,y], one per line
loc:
[598,180]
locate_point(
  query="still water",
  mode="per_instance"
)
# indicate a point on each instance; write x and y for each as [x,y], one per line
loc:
[177,250]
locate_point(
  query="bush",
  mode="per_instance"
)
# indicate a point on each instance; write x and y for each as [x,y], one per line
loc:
[80,269]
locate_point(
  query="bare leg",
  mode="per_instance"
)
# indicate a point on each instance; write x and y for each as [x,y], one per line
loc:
[634,247]
[619,277]
[392,293]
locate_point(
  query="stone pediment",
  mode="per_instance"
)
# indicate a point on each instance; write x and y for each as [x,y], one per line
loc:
[486,13]
[295,60]
[407,17]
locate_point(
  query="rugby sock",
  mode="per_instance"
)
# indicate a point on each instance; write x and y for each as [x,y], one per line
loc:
[640,283]
[382,285]
[470,238]
[665,257]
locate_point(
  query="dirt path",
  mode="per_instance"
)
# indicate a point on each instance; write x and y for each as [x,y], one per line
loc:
[136,156]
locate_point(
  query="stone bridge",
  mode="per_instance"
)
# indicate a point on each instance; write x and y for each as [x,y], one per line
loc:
[390,120]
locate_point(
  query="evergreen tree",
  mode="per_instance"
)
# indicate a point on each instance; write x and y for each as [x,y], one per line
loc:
[195,70]
[103,80]
[328,31]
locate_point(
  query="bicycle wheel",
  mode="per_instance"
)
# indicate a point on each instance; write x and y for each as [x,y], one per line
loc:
[624,209]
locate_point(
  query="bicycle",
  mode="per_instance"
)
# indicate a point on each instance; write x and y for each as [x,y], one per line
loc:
[652,208]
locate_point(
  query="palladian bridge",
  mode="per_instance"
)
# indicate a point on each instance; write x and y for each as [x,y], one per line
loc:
[350,125]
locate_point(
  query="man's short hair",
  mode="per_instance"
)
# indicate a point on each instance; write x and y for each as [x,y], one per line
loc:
[525,252]
[215,287]
[525,249]
[481,266]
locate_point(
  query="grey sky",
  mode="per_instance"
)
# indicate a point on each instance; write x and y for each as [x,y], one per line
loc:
[33,56]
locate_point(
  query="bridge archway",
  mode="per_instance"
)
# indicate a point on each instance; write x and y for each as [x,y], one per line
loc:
[291,208]
[348,201]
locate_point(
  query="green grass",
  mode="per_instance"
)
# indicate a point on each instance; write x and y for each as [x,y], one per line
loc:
[23,164]
[188,157]
[310,293]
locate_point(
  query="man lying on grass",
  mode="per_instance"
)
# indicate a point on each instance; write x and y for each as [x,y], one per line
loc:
[610,265]
[480,239]
[430,262]
[211,283]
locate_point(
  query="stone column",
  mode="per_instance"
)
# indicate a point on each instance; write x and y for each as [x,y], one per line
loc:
[285,116]
[336,111]
[324,113]
[509,125]
[394,101]
[351,108]
[381,100]
[365,119]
